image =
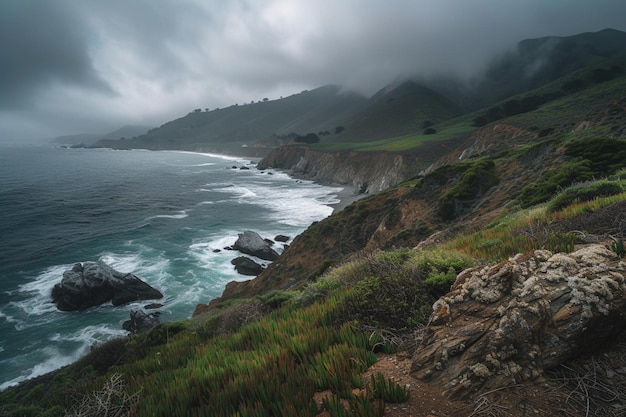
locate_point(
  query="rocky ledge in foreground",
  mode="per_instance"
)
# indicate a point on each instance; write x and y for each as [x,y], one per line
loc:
[93,283]
[505,324]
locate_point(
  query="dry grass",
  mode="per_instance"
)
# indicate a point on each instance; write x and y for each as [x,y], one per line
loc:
[111,401]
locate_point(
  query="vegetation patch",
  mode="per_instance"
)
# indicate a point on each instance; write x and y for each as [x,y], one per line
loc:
[475,181]
[396,289]
[590,159]
[584,192]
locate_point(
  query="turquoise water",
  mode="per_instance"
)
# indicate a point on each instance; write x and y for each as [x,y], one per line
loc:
[159,215]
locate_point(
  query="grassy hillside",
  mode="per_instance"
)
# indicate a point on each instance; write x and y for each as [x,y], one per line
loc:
[230,128]
[328,113]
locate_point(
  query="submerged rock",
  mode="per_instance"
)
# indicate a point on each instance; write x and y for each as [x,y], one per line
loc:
[504,324]
[141,322]
[93,283]
[252,244]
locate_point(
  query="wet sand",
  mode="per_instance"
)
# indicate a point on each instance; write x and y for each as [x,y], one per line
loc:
[346,197]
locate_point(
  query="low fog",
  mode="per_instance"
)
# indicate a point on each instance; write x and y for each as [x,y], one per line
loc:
[93,66]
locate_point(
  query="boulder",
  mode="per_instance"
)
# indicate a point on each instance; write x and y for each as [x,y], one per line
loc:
[93,283]
[504,324]
[141,322]
[246,266]
[282,238]
[252,244]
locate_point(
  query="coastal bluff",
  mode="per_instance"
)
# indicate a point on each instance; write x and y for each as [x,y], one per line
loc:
[367,172]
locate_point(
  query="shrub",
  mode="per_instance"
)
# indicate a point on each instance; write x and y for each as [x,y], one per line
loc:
[591,158]
[584,192]
[477,179]
[396,288]
[112,400]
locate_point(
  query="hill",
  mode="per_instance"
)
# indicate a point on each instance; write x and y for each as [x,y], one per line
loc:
[91,138]
[328,114]
[488,281]
[252,126]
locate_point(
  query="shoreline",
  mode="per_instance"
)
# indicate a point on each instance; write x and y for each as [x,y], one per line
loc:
[346,197]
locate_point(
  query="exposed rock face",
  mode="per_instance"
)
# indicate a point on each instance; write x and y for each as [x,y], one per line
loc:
[246,266]
[251,243]
[366,171]
[504,324]
[93,283]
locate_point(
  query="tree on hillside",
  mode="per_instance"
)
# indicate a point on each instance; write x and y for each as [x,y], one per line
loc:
[308,138]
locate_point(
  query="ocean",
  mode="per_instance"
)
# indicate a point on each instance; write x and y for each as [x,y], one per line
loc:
[161,215]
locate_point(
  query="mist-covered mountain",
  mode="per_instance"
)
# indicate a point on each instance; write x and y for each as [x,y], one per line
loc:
[123,132]
[533,63]
[330,114]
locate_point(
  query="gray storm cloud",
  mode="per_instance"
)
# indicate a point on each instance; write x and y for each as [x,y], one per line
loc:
[89,65]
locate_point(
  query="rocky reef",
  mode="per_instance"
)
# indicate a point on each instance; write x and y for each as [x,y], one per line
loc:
[90,284]
[505,324]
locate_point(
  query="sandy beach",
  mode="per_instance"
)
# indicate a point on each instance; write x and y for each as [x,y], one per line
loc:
[346,197]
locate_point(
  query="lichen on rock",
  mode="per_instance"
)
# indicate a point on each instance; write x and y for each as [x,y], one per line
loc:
[507,323]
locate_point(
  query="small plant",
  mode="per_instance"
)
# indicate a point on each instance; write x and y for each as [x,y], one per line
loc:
[388,390]
[618,248]
[356,406]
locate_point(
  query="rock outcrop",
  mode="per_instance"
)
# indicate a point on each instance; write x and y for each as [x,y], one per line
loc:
[93,283]
[366,171]
[505,324]
[246,266]
[252,244]
[141,322]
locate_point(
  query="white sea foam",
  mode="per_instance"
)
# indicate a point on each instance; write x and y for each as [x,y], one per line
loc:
[63,349]
[181,214]
[238,191]
[37,304]
[151,268]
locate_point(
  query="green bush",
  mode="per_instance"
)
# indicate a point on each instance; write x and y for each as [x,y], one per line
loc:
[550,183]
[396,289]
[591,158]
[475,181]
[584,192]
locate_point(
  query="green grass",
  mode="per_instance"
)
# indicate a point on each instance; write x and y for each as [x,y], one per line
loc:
[451,129]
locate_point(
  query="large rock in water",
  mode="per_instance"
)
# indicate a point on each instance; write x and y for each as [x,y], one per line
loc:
[93,283]
[246,266]
[251,243]
[507,323]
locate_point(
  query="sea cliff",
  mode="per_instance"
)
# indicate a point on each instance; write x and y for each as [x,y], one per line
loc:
[366,172]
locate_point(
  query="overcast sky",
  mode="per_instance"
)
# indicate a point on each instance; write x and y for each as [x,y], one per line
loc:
[74,66]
